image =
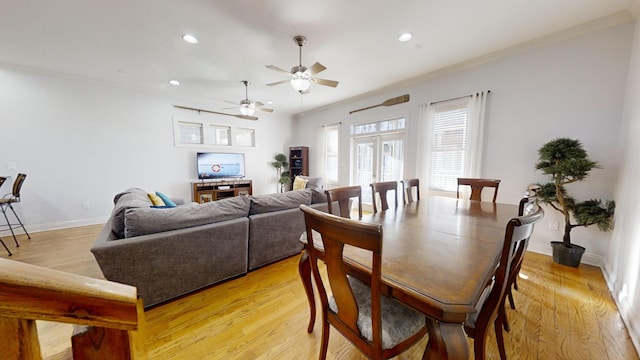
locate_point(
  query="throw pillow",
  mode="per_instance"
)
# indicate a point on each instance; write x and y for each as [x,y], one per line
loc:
[299,183]
[168,202]
[156,200]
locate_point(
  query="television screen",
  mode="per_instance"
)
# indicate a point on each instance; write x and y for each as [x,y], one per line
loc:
[220,165]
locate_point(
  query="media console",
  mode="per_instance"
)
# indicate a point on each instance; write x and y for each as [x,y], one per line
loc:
[205,191]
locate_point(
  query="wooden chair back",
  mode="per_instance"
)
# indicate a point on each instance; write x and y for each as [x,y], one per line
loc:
[476,187]
[381,188]
[407,190]
[516,238]
[17,186]
[344,195]
[334,233]
[2,180]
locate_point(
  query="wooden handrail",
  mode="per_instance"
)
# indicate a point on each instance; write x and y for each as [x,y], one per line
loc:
[29,292]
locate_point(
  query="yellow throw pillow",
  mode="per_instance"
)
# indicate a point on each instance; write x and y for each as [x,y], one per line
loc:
[299,183]
[156,200]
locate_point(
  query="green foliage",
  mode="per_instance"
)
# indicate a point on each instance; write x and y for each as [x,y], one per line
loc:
[280,164]
[566,161]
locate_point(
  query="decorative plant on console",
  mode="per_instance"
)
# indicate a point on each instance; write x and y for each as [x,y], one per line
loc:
[567,162]
[280,164]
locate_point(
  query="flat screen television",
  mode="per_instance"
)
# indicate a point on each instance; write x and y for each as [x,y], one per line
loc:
[213,165]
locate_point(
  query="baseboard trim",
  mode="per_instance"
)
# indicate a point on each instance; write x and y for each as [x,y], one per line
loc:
[55,226]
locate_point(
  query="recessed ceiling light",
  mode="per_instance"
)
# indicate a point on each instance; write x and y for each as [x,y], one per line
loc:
[190,38]
[405,37]
[269,102]
[174,82]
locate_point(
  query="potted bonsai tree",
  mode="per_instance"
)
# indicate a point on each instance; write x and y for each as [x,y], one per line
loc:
[567,162]
[280,164]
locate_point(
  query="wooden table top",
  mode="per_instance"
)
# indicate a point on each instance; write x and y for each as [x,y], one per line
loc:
[438,253]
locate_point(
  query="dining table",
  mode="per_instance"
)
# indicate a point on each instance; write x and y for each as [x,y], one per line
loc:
[438,255]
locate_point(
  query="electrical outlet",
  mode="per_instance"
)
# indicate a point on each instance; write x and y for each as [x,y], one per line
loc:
[11,166]
[554,225]
[86,205]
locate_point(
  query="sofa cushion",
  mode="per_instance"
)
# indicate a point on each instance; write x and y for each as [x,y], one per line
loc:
[279,201]
[299,183]
[167,202]
[128,199]
[318,196]
[313,182]
[142,221]
[156,200]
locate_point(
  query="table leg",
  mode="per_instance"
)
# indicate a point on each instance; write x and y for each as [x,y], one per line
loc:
[304,268]
[446,341]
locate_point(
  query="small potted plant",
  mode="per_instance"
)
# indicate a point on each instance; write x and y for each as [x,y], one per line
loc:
[280,164]
[567,162]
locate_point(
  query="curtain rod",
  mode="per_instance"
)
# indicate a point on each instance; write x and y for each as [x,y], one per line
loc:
[456,98]
[336,123]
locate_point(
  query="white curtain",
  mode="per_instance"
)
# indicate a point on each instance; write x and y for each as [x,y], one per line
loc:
[475,150]
[424,147]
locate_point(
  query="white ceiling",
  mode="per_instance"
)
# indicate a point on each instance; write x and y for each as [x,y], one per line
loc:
[137,43]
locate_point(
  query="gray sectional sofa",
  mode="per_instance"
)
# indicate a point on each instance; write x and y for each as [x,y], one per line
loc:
[169,252]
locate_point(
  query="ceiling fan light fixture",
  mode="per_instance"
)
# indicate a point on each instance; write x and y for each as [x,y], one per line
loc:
[247,108]
[300,82]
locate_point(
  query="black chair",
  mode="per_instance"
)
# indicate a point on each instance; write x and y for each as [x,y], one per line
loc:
[382,188]
[380,327]
[407,190]
[6,203]
[491,304]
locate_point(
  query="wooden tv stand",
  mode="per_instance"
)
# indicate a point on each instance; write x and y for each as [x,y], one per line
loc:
[216,190]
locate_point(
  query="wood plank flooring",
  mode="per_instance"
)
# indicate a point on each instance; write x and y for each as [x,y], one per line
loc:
[562,312]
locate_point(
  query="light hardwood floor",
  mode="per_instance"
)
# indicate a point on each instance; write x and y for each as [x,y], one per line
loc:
[562,312]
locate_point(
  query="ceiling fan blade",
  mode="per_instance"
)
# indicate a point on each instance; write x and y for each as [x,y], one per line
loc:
[258,103]
[264,109]
[390,102]
[215,112]
[231,102]
[325,82]
[272,67]
[278,82]
[315,68]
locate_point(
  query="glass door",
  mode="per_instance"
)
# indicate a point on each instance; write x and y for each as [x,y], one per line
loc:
[377,158]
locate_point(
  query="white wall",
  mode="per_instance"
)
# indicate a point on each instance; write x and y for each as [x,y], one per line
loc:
[79,140]
[622,264]
[572,86]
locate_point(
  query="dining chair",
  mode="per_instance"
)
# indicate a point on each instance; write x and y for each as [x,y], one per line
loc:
[5,203]
[380,327]
[407,190]
[527,204]
[382,188]
[490,307]
[344,196]
[2,180]
[476,187]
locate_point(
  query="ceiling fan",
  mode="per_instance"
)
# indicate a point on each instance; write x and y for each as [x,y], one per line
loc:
[248,107]
[301,76]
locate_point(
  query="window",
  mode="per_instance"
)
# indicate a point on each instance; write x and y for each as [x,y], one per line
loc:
[219,135]
[448,144]
[455,133]
[189,133]
[331,141]
[245,137]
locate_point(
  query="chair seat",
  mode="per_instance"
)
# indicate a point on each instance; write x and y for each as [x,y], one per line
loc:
[399,322]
